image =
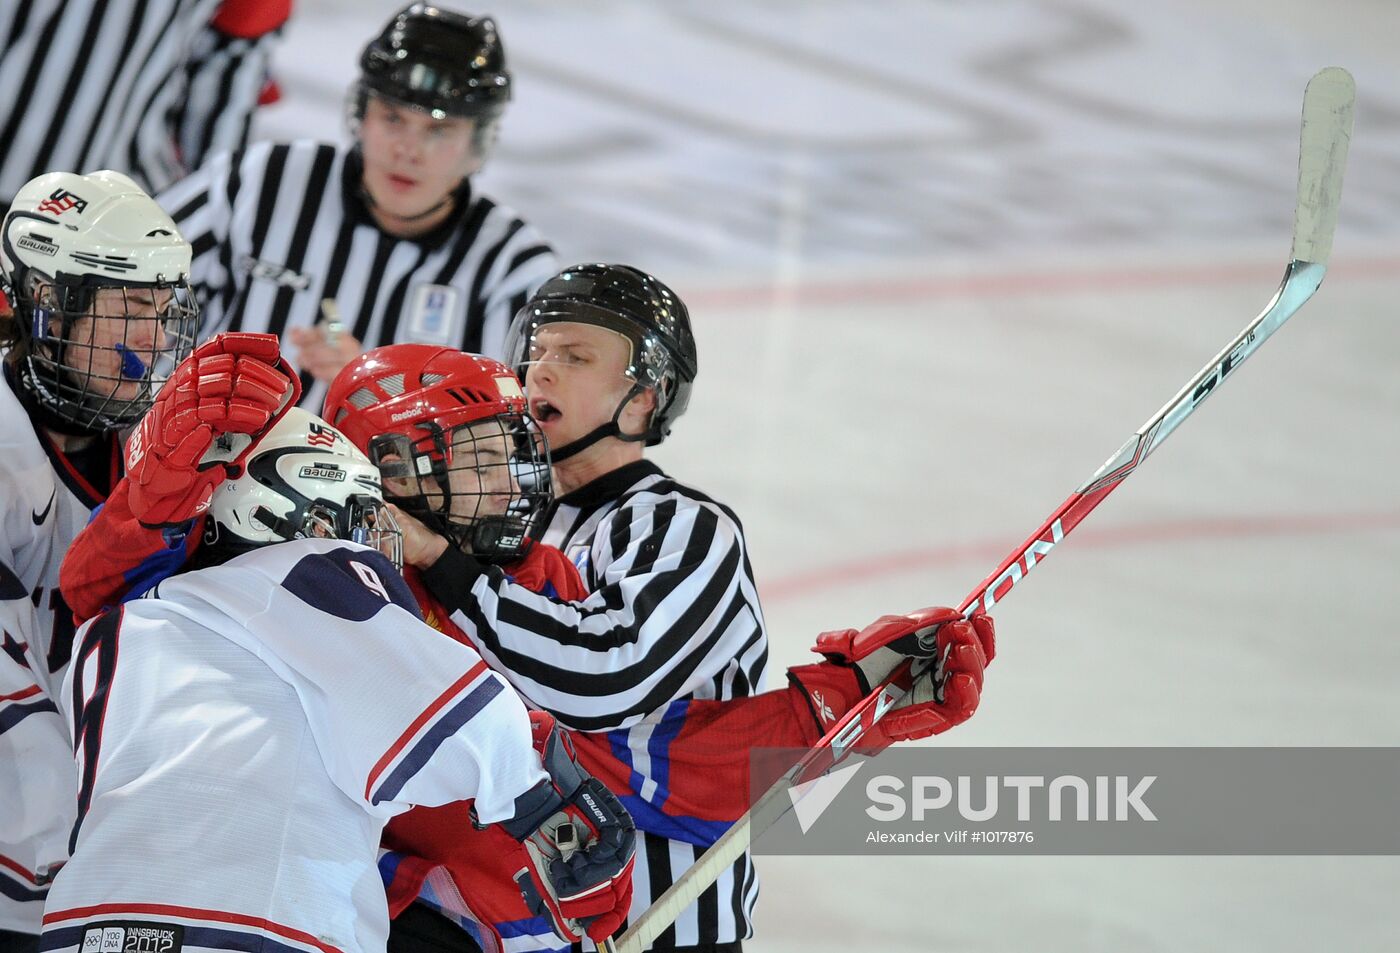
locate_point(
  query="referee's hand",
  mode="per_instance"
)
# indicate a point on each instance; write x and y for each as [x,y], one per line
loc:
[317,356]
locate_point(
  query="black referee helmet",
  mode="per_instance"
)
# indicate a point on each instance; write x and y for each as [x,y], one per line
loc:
[442,62]
[651,316]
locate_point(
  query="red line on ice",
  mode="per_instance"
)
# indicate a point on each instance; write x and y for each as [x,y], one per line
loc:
[835,575]
[866,291]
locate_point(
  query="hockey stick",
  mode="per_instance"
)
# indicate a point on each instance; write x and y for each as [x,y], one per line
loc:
[1327,109]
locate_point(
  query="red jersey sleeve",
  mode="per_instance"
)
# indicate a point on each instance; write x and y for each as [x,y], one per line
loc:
[115,557]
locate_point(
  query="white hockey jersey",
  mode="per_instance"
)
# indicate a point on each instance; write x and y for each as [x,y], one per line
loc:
[37,792]
[43,505]
[244,732]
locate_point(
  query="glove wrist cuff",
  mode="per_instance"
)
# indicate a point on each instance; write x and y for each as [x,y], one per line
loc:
[829,690]
[532,809]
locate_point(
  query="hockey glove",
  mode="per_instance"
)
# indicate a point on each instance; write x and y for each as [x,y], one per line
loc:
[580,839]
[945,696]
[211,411]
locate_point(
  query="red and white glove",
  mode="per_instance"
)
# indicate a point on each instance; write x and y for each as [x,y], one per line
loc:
[945,696]
[581,841]
[210,412]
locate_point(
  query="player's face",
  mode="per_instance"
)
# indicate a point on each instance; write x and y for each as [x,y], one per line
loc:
[576,378]
[112,347]
[480,476]
[412,161]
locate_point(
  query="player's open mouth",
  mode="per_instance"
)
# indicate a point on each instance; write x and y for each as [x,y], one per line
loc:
[543,411]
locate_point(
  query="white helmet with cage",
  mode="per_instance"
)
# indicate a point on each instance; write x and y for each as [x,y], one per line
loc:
[98,275]
[304,480]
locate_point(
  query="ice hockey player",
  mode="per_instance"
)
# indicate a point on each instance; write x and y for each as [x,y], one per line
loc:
[97,276]
[244,731]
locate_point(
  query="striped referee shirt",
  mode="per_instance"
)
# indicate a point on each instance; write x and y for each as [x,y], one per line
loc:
[145,87]
[673,613]
[281,228]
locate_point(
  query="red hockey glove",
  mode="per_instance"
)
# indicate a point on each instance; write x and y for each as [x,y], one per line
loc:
[947,695]
[581,843]
[216,405]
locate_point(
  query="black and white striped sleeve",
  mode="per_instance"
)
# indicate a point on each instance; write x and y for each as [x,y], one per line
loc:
[510,272]
[674,607]
[149,88]
[202,206]
[225,77]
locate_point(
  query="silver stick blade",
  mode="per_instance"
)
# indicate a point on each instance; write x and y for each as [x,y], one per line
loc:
[1327,109]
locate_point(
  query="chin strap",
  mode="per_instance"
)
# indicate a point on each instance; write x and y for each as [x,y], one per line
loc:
[573,447]
[31,392]
[280,525]
[609,429]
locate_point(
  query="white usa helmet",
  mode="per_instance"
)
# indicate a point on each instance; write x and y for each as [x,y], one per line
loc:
[95,246]
[99,224]
[304,480]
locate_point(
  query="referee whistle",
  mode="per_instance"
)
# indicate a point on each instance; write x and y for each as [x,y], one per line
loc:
[330,321]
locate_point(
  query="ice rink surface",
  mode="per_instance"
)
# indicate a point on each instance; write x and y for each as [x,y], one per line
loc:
[942,259]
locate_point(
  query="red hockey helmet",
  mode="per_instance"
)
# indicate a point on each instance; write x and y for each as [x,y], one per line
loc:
[453,440]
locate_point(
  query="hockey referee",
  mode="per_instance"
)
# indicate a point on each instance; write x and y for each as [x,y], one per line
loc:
[337,249]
